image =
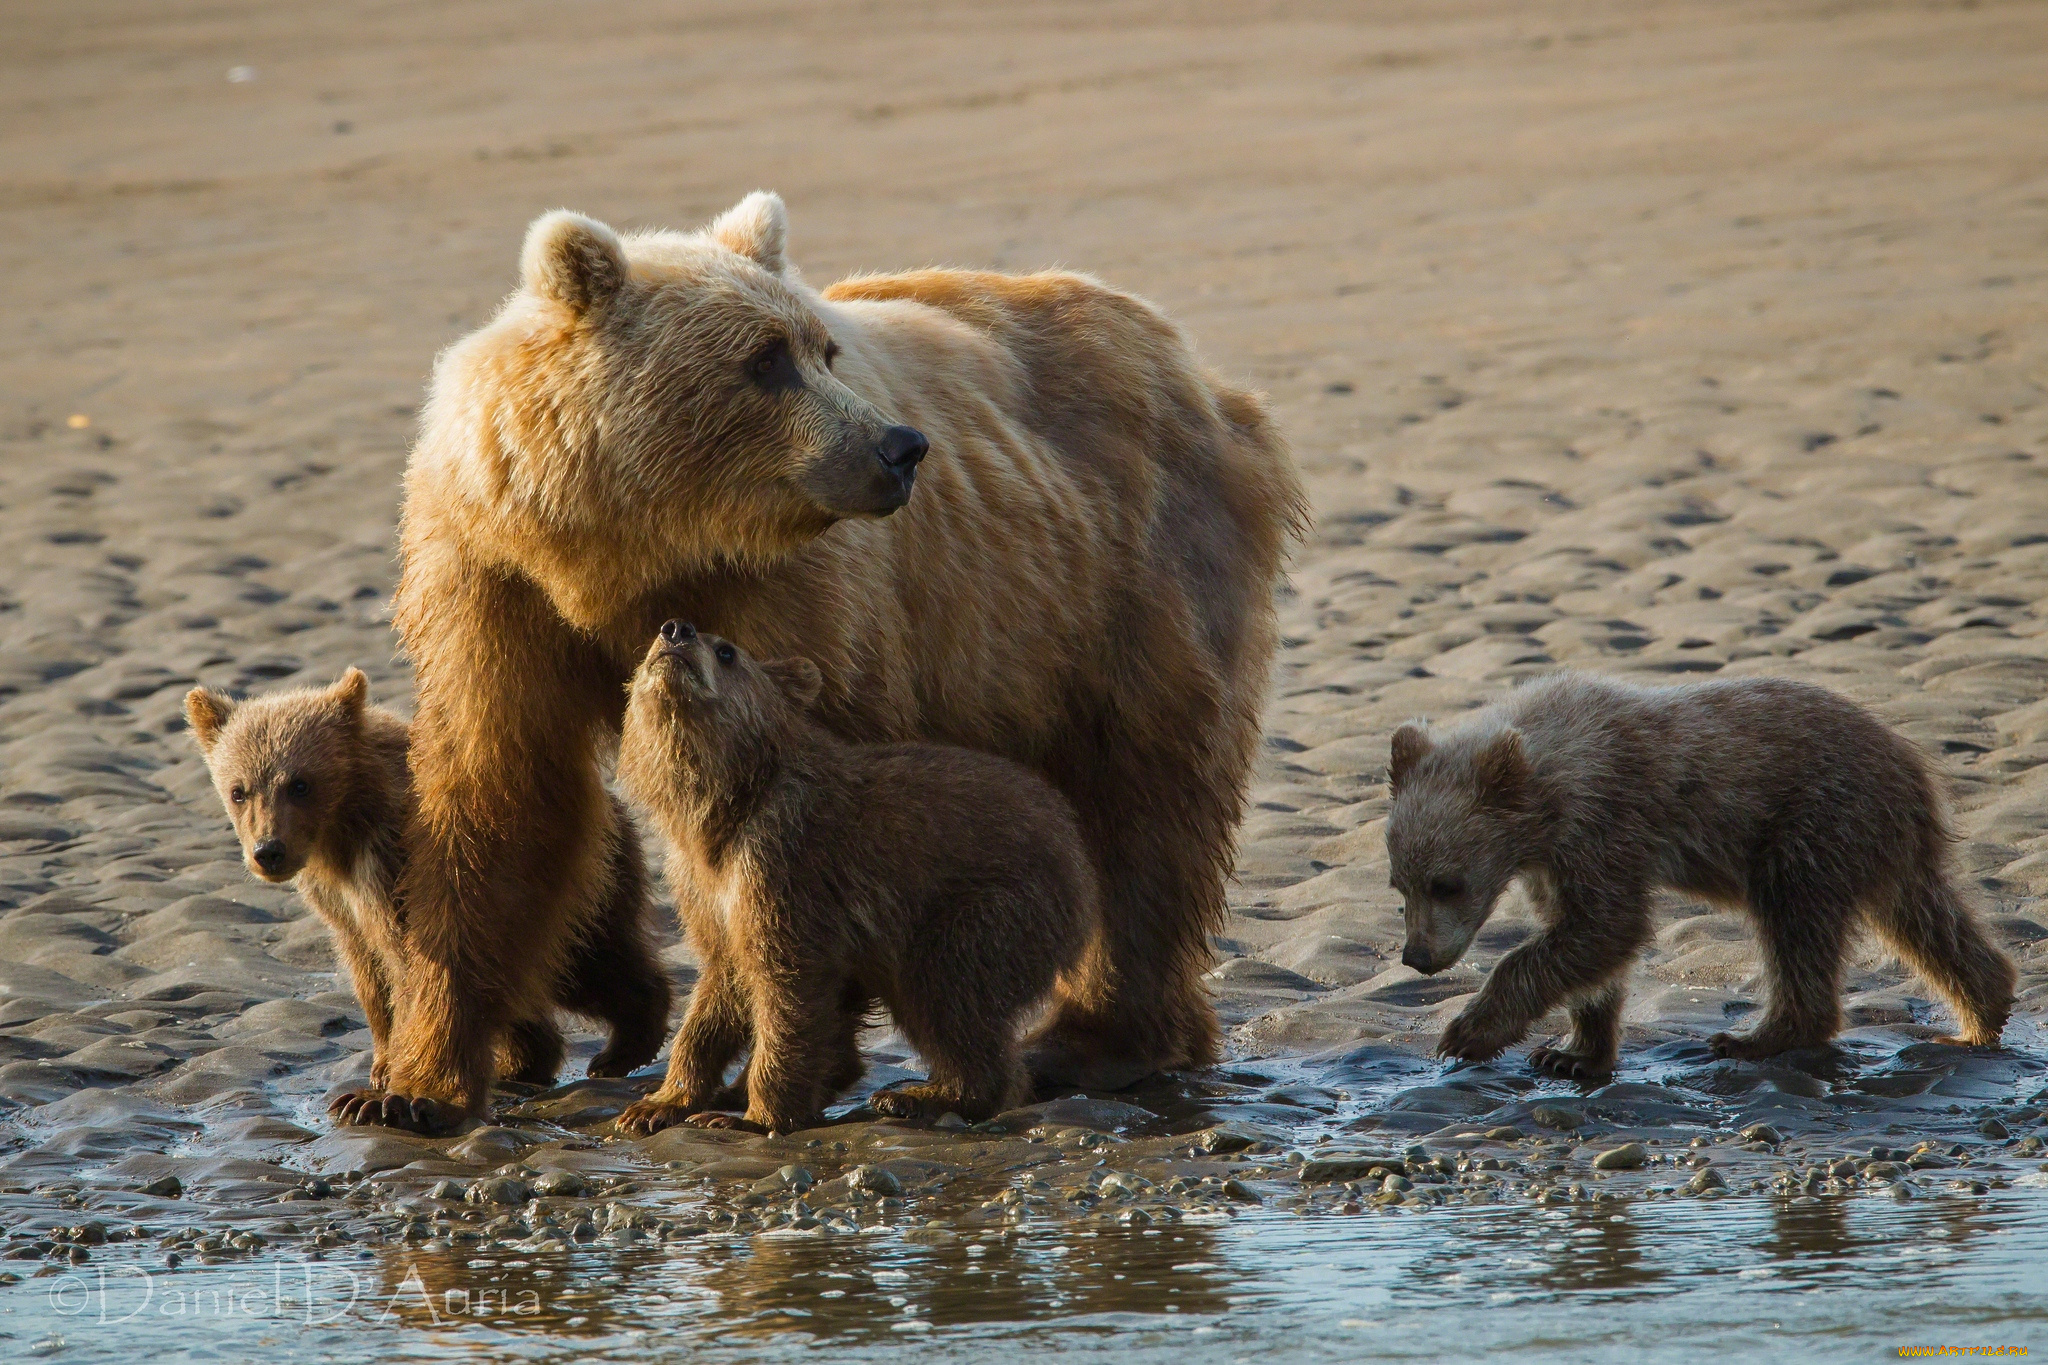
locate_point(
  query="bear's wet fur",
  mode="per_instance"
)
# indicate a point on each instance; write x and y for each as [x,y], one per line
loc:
[1775,797]
[1013,513]
[817,878]
[316,784]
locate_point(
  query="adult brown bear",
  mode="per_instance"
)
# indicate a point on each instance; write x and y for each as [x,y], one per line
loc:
[674,425]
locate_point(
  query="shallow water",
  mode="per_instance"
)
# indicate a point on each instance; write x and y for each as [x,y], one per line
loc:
[1824,1279]
[1226,1229]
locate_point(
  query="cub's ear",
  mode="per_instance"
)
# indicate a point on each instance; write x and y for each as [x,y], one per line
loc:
[798,678]
[756,228]
[206,712]
[351,692]
[1409,745]
[575,261]
[1502,769]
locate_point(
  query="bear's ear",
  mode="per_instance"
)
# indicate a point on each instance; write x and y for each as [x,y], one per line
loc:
[206,712]
[575,261]
[756,227]
[351,693]
[1410,743]
[798,678]
[1502,769]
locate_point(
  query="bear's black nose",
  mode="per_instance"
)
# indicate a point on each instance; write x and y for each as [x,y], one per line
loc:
[675,632]
[902,448]
[269,854]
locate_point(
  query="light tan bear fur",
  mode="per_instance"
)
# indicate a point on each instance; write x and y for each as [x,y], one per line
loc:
[673,425]
[315,783]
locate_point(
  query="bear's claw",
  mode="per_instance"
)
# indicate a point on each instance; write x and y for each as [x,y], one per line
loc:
[384,1109]
[1572,1066]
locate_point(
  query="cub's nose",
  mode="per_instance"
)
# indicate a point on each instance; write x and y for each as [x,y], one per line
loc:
[675,632]
[902,448]
[1414,957]
[269,854]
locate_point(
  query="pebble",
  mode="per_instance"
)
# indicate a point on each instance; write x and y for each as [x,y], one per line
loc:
[1629,1156]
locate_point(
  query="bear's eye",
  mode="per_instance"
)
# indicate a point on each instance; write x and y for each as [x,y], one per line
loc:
[770,365]
[1446,888]
[831,353]
[726,654]
[237,795]
[299,787]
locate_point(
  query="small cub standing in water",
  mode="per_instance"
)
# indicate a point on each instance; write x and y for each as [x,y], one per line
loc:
[316,783]
[1781,798]
[816,877]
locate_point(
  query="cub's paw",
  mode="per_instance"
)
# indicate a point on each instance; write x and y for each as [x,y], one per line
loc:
[1471,1039]
[622,1057]
[1956,1040]
[1748,1047]
[1572,1066]
[385,1109]
[646,1117]
[913,1102]
[738,1123]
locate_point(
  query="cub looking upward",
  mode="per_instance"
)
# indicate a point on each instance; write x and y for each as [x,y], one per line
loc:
[316,783]
[816,876]
[1779,797]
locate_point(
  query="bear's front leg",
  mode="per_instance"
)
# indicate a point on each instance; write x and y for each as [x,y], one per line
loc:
[716,1026]
[1589,945]
[798,1047]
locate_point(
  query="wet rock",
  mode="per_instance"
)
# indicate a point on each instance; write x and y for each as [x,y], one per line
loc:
[1556,1116]
[500,1189]
[165,1187]
[794,1179]
[1994,1130]
[561,1185]
[367,1149]
[1077,1111]
[1705,1179]
[874,1180]
[1630,1156]
[491,1146]
[1337,1167]
[1763,1132]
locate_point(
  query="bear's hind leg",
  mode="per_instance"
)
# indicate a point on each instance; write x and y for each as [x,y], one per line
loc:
[1589,1054]
[1802,939]
[1926,923]
[530,1053]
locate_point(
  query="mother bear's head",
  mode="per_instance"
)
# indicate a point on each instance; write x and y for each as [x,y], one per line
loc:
[651,404]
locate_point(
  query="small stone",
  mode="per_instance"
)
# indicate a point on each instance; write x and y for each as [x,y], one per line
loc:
[1994,1130]
[499,1189]
[1630,1156]
[1707,1179]
[1553,1116]
[561,1185]
[949,1122]
[447,1189]
[874,1180]
[1240,1192]
[166,1187]
[1762,1132]
[1506,1134]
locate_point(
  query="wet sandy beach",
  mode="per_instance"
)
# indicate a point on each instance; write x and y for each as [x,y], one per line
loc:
[1670,341]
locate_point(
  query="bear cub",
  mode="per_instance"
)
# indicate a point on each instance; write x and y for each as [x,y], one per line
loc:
[316,783]
[1778,797]
[817,877]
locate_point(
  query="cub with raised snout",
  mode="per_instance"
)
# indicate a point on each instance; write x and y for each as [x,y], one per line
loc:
[1777,797]
[317,785]
[816,877]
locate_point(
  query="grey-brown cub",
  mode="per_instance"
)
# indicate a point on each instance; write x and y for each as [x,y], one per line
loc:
[317,784]
[816,878]
[1776,797]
